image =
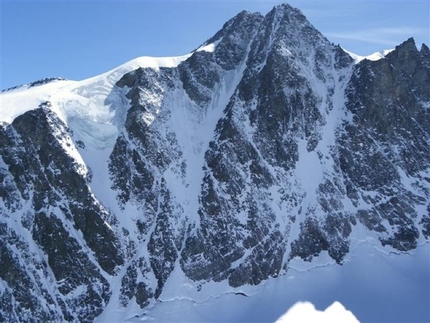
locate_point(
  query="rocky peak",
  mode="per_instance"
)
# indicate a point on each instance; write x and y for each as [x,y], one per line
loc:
[407,46]
[413,66]
[286,34]
[425,55]
[230,44]
[425,51]
[244,19]
[265,144]
[405,57]
[286,12]
[289,24]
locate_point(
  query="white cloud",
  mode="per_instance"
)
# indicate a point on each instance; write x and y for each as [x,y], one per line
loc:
[306,312]
[384,36]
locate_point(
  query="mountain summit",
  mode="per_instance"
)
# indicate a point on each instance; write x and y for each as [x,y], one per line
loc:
[265,144]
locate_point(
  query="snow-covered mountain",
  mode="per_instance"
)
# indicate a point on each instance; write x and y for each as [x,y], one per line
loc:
[209,172]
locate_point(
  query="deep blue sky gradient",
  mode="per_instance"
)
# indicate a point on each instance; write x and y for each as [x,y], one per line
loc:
[79,39]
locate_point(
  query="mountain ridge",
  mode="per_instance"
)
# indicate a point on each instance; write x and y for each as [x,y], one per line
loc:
[266,144]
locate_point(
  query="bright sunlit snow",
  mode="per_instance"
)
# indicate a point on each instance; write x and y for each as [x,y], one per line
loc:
[306,312]
[372,57]
[207,48]
[82,99]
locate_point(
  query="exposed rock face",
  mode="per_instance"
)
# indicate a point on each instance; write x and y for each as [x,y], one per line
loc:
[57,248]
[267,143]
[384,152]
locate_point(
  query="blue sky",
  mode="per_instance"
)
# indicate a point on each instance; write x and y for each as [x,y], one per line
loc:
[79,39]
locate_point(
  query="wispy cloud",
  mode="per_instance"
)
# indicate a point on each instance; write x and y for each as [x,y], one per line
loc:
[384,36]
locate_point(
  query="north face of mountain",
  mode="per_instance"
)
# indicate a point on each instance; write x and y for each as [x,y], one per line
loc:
[157,161]
[265,144]
[251,174]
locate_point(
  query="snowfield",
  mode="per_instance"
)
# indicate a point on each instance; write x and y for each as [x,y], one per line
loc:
[85,99]
[383,287]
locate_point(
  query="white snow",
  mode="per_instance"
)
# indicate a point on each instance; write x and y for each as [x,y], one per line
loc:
[310,171]
[208,47]
[372,287]
[372,57]
[83,99]
[306,312]
[16,102]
